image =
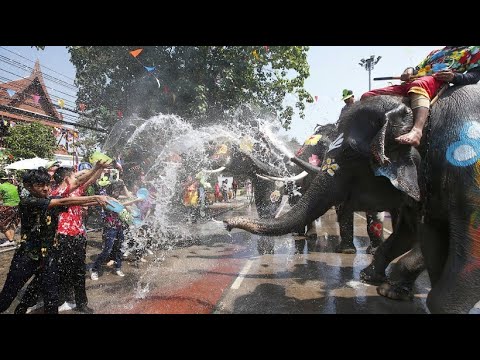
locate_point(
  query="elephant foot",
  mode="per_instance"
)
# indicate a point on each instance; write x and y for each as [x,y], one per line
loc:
[345,248]
[371,249]
[370,276]
[395,291]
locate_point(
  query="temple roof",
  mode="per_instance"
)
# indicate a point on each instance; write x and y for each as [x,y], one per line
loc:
[22,102]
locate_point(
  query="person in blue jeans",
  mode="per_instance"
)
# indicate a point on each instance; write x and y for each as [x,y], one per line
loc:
[113,235]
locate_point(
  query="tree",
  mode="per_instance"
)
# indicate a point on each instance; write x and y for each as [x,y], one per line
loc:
[28,141]
[202,84]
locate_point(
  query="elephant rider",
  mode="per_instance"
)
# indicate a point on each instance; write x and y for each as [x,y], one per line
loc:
[458,65]
[348,98]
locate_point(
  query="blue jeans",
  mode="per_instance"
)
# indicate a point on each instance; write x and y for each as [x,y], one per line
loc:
[110,236]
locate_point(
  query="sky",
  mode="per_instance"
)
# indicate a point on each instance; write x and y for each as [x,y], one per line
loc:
[332,69]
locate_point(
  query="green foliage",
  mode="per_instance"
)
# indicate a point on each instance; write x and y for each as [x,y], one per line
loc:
[28,141]
[200,83]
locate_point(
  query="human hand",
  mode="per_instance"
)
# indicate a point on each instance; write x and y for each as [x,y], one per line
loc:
[444,75]
[102,200]
[102,164]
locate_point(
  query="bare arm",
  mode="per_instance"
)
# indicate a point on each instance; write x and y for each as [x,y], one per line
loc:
[80,201]
[87,177]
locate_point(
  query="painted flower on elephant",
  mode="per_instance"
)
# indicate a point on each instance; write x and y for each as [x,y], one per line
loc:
[246,144]
[330,167]
[313,140]
[275,196]
[314,160]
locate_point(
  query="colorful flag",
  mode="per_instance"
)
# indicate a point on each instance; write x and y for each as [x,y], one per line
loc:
[11,92]
[149,68]
[135,53]
[61,102]
[158,82]
[119,114]
[266,48]
[254,52]
[82,107]
[165,89]
[316,98]
[36,98]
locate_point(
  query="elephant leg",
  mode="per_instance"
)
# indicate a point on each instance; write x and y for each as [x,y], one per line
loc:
[375,230]
[345,222]
[398,243]
[403,275]
[457,288]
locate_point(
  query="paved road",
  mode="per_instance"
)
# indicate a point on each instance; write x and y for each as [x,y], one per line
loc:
[218,272]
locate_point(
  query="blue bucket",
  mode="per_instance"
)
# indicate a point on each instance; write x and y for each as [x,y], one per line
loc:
[114,206]
[142,193]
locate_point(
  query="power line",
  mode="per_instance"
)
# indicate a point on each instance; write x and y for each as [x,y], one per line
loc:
[29,69]
[23,57]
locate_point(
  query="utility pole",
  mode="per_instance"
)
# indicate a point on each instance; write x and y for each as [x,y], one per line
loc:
[369,64]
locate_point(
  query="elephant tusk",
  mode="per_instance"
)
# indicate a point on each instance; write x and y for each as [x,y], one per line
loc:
[264,178]
[294,178]
[307,166]
[220,169]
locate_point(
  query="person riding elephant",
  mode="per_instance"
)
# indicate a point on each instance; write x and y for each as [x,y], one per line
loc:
[458,65]
[367,165]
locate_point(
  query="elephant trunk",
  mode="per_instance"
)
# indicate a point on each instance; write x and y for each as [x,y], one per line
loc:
[313,204]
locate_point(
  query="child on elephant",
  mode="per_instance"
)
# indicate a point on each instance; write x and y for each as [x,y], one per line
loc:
[458,65]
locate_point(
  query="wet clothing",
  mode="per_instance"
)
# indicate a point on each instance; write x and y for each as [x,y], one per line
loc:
[70,222]
[37,254]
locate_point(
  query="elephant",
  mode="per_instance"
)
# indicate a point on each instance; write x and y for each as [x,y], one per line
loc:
[313,151]
[365,165]
[246,159]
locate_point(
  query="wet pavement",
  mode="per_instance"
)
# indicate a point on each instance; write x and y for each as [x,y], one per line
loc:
[219,272]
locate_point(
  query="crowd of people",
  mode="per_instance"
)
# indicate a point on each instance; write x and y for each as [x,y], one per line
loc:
[50,206]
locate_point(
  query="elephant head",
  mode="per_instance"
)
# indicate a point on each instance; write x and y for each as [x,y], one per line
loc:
[363,165]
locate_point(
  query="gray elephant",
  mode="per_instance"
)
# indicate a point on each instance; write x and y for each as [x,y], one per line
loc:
[313,151]
[366,165]
[246,159]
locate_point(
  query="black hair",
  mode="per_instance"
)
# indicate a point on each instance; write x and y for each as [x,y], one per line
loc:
[60,174]
[36,176]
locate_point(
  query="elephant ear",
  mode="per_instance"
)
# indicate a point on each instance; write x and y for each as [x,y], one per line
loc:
[401,171]
[399,166]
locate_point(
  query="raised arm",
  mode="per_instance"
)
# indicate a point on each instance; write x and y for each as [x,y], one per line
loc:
[88,177]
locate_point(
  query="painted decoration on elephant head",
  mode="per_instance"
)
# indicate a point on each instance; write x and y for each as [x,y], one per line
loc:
[275,196]
[311,141]
[466,151]
[222,150]
[330,166]
[336,143]
[314,160]
[246,144]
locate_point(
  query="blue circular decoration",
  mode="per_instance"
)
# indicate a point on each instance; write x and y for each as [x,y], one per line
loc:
[463,153]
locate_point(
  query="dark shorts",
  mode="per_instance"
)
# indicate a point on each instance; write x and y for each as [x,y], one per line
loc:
[9,218]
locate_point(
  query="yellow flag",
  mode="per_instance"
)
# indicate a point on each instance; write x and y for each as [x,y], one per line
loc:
[61,103]
[254,52]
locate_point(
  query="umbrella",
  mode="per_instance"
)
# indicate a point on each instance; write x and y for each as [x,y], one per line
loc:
[27,164]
